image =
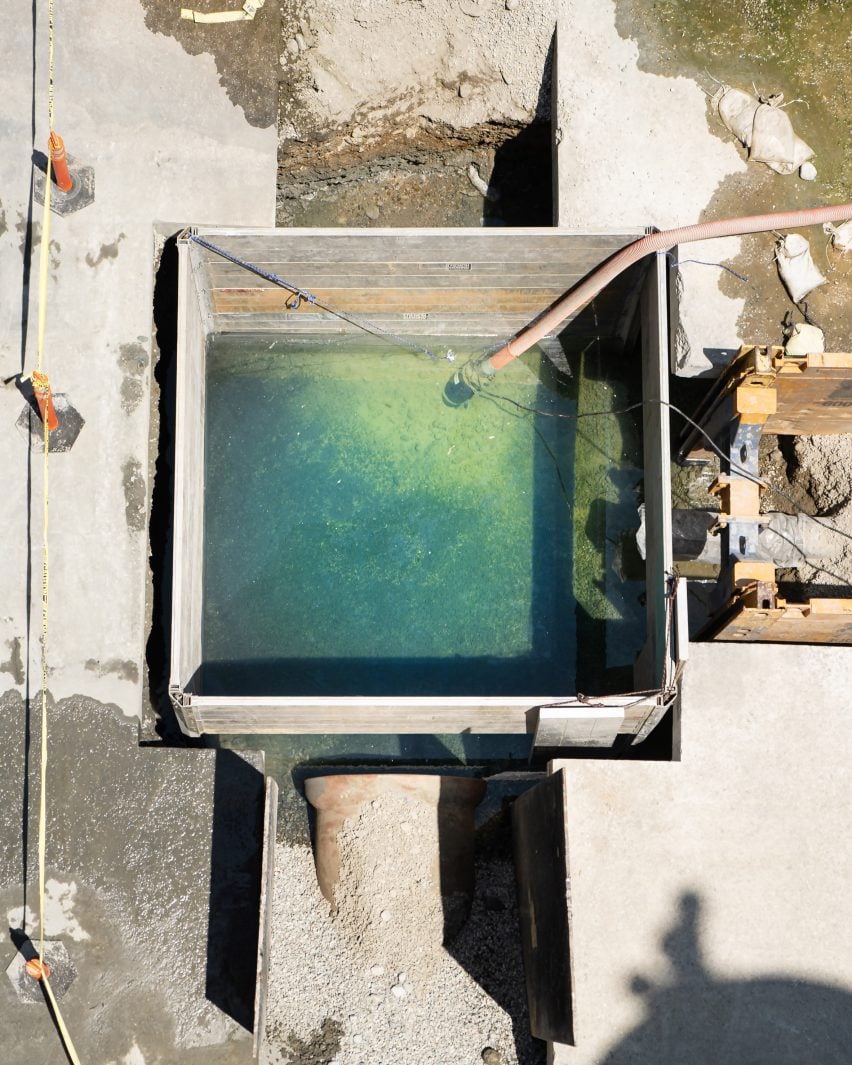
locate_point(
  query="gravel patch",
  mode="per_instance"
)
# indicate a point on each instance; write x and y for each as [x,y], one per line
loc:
[372,983]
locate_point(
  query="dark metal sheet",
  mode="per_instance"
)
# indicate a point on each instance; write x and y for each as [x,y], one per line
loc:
[541,867]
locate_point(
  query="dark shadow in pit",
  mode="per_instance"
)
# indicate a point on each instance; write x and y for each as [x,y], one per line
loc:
[235,874]
[162,487]
[488,944]
[378,677]
[522,174]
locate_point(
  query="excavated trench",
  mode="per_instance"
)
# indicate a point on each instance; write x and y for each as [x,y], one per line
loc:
[417,175]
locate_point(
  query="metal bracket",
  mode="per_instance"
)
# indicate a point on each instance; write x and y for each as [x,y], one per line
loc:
[182,703]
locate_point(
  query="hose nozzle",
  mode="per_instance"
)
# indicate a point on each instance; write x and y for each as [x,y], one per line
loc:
[469,379]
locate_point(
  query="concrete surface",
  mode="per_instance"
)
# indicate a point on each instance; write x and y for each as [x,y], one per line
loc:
[634,148]
[167,144]
[153,885]
[150,851]
[711,913]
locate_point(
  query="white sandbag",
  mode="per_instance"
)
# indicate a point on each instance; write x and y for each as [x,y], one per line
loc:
[736,109]
[796,266]
[773,140]
[841,236]
[805,339]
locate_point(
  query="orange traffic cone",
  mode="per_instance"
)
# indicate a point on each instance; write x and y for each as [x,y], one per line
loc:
[44,398]
[59,162]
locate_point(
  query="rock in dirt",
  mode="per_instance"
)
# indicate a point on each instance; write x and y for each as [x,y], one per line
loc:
[805,339]
[481,186]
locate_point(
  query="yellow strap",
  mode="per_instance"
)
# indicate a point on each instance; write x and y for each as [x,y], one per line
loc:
[60,1024]
[45,583]
[45,565]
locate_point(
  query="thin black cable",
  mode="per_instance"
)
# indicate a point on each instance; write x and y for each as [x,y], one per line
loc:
[741,470]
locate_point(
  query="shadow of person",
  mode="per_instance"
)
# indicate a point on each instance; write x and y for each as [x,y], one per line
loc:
[701,1017]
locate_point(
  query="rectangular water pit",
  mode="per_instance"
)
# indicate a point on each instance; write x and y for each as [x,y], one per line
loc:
[354,554]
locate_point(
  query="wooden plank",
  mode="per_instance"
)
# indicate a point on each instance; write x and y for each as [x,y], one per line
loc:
[223,274]
[539,832]
[267,882]
[278,246]
[221,716]
[491,326]
[656,445]
[187,534]
[817,402]
[821,621]
[272,300]
[814,396]
[487,326]
[578,725]
[476,232]
[376,715]
[316,277]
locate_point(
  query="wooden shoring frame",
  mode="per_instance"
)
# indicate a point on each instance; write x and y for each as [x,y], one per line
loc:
[515,271]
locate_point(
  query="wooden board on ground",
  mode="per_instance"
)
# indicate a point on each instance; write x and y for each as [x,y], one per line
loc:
[267,883]
[539,819]
[814,397]
[823,621]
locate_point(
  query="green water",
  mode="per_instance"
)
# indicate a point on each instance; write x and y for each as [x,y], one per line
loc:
[364,538]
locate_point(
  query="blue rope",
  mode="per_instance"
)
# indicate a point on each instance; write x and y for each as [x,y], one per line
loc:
[677,263]
[309,297]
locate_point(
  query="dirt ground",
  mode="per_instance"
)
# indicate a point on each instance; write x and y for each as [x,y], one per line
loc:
[245,52]
[814,473]
[383,131]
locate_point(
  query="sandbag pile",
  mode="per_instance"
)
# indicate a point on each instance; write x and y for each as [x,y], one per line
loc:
[762,125]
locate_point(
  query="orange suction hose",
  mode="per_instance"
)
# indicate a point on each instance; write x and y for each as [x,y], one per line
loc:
[578,297]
